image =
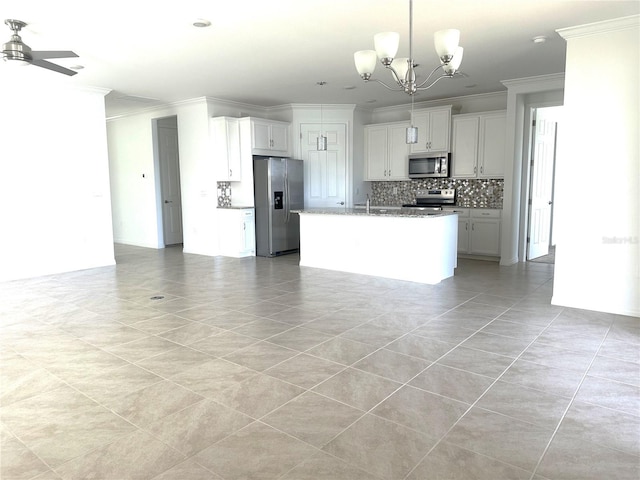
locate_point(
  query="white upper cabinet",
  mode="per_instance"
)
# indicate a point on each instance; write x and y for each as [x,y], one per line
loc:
[269,137]
[225,137]
[386,152]
[478,145]
[434,126]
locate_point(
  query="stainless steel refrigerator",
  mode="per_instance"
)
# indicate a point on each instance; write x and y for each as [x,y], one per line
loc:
[278,189]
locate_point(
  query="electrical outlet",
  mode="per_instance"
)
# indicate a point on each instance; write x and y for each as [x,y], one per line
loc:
[395,190]
[490,191]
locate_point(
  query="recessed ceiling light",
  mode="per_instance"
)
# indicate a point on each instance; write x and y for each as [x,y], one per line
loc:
[539,39]
[201,23]
[76,67]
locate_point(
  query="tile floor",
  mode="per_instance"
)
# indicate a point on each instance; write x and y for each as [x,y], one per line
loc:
[259,369]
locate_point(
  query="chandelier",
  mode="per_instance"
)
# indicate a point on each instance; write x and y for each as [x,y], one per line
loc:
[403,69]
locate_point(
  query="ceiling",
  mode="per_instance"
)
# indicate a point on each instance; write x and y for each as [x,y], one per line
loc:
[270,53]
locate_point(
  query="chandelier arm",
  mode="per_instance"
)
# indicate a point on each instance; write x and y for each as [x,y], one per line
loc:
[387,86]
[430,75]
[420,87]
[396,77]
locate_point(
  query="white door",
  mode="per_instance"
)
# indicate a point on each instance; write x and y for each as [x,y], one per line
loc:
[541,188]
[170,184]
[325,172]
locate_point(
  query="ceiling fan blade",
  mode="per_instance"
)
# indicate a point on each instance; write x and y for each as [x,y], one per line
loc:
[39,55]
[53,66]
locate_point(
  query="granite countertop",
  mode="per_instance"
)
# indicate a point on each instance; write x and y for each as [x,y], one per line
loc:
[374,212]
[235,207]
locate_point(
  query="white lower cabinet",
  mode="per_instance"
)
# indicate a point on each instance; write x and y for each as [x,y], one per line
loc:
[236,232]
[478,231]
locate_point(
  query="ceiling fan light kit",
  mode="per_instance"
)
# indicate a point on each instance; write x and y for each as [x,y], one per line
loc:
[16,52]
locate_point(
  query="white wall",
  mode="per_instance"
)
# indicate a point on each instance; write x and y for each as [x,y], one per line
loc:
[598,249]
[136,203]
[54,177]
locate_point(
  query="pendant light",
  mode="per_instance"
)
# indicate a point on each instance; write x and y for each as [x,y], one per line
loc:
[412,131]
[322,139]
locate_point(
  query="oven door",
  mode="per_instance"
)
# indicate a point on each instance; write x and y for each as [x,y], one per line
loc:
[425,167]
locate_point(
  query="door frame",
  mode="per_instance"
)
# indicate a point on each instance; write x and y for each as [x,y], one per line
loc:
[525,193]
[158,177]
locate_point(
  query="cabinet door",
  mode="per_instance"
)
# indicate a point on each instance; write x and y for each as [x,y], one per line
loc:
[485,237]
[279,137]
[376,147]
[421,121]
[463,235]
[491,157]
[248,233]
[260,135]
[233,150]
[439,127]
[397,165]
[464,148]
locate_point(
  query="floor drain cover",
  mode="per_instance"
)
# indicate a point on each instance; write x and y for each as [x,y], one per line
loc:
[157,297]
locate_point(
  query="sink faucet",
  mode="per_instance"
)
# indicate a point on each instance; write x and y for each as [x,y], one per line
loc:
[368,204]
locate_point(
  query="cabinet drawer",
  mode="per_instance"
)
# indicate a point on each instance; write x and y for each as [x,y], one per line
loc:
[462,212]
[485,213]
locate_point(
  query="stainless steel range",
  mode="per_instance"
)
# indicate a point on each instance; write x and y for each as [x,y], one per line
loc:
[434,199]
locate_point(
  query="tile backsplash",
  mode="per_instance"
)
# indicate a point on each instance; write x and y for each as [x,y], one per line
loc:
[224,194]
[471,192]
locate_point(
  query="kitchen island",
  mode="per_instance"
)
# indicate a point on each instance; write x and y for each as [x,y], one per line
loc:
[417,247]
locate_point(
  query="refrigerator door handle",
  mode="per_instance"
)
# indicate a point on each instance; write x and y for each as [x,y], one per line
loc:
[287,204]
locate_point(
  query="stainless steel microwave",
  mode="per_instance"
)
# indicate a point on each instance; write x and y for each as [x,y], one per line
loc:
[426,166]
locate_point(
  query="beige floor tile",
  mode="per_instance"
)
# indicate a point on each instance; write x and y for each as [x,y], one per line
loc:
[300,338]
[452,383]
[198,426]
[526,404]
[262,328]
[358,389]
[327,467]
[62,424]
[476,361]
[313,418]
[188,470]
[17,461]
[154,402]
[161,323]
[140,349]
[212,377]
[257,451]
[190,333]
[223,343]
[449,462]
[304,370]
[610,394]
[138,455]
[504,438]
[616,370]
[258,395]
[392,365]
[570,458]
[342,350]
[174,361]
[558,381]
[430,414]
[611,428]
[261,355]
[380,447]
[421,347]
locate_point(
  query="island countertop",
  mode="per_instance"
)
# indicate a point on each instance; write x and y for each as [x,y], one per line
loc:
[375,212]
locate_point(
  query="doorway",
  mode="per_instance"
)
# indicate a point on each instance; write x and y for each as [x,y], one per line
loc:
[540,245]
[325,172]
[168,166]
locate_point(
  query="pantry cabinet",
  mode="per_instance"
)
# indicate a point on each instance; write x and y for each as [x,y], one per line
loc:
[225,138]
[478,145]
[269,137]
[386,152]
[237,232]
[478,231]
[434,127]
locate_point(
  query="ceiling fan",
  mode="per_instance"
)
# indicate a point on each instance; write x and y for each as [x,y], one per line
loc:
[17,51]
